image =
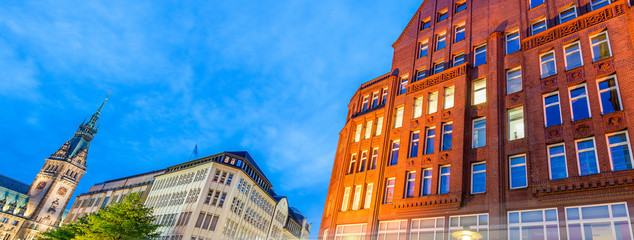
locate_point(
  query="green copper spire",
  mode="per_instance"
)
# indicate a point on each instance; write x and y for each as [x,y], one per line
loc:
[84,134]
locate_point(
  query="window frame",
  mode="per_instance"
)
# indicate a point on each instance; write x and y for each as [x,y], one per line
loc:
[570,99]
[514,70]
[460,28]
[423,49]
[607,40]
[427,140]
[509,120]
[458,5]
[507,40]
[398,121]
[443,136]
[424,178]
[392,150]
[551,156]
[474,91]
[525,165]
[593,5]
[534,23]
[473,173]
[609,146]
[574,7]
[368,129]
[374,158]
[566,54]
[356,198]
[367,201]
[541,63]
[440,36]
[353,160]
[458,56]
[439,65]
[473,131]
[432,102]
[364,160]
[345,200]
[379,127]
[425,22]
[616,86]
[387,187]
[440,178]
[420,74]
[412,141]
[440,14]
[449,93]
[477,50]
[596,159]
[418,107]
[410,184]
[544,96]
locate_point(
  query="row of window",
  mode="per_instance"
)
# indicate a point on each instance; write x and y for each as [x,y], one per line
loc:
[599,44]
[442,15]
[368,129]
[604,221]
[215,198]
[356,200]
[378,99]
[206,221]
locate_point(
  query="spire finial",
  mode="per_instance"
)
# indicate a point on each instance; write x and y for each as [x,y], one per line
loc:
[104,102]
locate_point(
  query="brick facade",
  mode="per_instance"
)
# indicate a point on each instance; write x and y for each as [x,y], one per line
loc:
[489,22]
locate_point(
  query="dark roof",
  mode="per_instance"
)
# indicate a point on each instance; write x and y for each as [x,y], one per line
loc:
[297,213]
[13,184]
[245,155]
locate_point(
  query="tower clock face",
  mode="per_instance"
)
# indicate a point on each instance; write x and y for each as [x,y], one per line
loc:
[41,185]
[61,191]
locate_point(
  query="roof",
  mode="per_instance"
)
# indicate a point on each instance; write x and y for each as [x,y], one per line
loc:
[297,213]
[409,24]
[13,184]
[245,155]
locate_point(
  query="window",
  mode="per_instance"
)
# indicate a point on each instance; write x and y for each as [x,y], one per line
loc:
[413,146]
[384,97]
[513,80]
[364,159]
[418,107]
[480,56]
[458,59]
[518,171]
[422,50]
[479,133]
[357,197]
[552,111]
[346,199]
[366,103]
[538,26]
[398,118]
[596,4]
[442,15]
[609,95]
[620,151]
[535,3]
[534,224]
[432,107]
[421,74]
[410,184]
[573,55]
[512,42]
[448,102]
[394,153]
[389,230]
[479,91]
[429,140]
[567,14]
[368,196]
[440,41]
[443,187]
[425,24]
[548,66]
[557,161]
[379,126]
[478,223]
[478,178]
[439,67]
[375,99]
[447,130]
[403,86]
[353,163]
[460,33]
[368,130]
[375,158]
[426,182]
[352,231]
[587,157]
[579,103]
[600,46]
[516,123]
[357,133]
[389,190]
[427,228]
[461,6]
[609,221]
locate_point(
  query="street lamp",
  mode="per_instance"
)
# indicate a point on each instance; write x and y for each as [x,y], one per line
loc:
[466,235]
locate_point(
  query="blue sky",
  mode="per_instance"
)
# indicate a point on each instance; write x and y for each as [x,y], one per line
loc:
[270,77]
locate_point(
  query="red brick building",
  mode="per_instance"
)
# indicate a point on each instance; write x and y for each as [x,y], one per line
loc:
[510,118]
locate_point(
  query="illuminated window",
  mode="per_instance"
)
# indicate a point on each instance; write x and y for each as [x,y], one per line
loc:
[448,102]
[432,106]
[516,123]
[479,91]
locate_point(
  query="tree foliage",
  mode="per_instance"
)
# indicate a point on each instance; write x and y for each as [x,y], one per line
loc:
[127,220]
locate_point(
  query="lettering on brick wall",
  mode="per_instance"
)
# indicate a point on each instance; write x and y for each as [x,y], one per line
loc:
[437,79]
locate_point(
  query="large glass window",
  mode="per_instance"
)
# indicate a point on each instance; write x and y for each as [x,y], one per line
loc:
[368,130]
[418,107]
[394,153]
[389,230]
[567,14]
[518,171]
[587,157]
[513,80]
[357,197]
[350,232]
[362,162]
[426,182]
[410,184]
[512,42]
[379,126]
[375,99]
[573,55]
[609,95]
[557,161]
[478,178]
[384,97]
[430,139]
[441,41]
[480,56]
[478,223]
[402,89]
[427,229]
[548,66]
[422,50]
[368,196]
[445,174]
[620,151]
[516,123]
[353,164]
[346,199]
[413,146]
[609,221]
[600,46]
[479,91]
[389,190]
[596,4]
[535,3]
[375,158]
[432,107]
[579,103]
[366,103]
[460,33]
[447,131]
[479,132]
[448,102]
[534,224]
[357,133]
[398,118]
[538,26]
[552,109]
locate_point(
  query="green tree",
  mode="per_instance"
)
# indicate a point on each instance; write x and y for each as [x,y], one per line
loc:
[127,220]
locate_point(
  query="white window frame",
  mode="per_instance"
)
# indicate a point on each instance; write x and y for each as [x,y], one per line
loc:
[544,223]
[421,74]
[392,150]
[449,97]
[418,107]
[364,160]
[387,186]
[473,132]
[439,67]
[629,146]
[458,29]
[542,62]
[550,157]
[508,72]
[424,45]
[423,178]
[353,159]
[375,158]
[607,39]
[375,98]
[366,103]
[340,232]
[368,129]
[357,133]
[455,57]
[440,175]
[596,159]
[507,40]
[611,219]
[450,132]
[442,36]
[518,165]
[509,120]
[566,53]
[477,51]
[592,4]
[616,86]
[438,229]
[533,24]
[568,8]
[432,100]
[474,91]
[572,113]
[410,183]
[477,227]
[379,126]
[402,87]
[427,137]
[401,232]
[473,172]
[411,143]
[345,200]
[368,195]
[356,199]
[550,105]
[398,117]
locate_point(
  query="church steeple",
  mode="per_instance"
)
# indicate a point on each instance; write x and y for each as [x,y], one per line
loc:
[81,141]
